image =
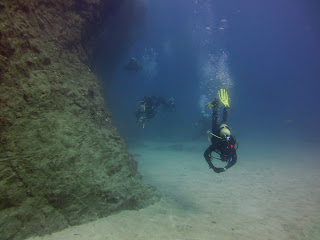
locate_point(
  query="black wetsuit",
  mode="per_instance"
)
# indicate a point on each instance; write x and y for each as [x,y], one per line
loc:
[226,149]
[149,106]
[147,109]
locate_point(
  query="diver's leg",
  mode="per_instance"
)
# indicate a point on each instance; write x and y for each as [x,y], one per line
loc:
[225,115]
[215,109]
[207,156]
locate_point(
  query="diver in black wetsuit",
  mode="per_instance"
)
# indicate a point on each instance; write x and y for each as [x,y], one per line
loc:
[146,110]
[222,142]
[149,106]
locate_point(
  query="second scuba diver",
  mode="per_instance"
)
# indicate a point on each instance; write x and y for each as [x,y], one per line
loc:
[148,108]
[222,142]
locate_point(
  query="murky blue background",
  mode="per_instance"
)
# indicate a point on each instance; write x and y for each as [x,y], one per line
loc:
[266,53]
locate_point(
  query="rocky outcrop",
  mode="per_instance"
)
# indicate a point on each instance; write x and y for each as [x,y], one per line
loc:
[62,161]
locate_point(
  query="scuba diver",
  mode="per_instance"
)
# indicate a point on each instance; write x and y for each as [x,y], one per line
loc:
[133,65]
[148,107]
[222,142]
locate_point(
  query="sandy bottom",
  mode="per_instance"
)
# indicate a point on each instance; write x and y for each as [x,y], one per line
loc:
[273,194]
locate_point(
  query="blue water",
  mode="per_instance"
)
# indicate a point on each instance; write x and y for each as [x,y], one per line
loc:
[265,53]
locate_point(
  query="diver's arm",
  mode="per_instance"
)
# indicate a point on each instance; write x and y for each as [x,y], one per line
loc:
[207,156]
[233,160]
[215,169]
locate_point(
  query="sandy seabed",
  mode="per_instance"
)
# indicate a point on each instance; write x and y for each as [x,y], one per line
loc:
[269,194]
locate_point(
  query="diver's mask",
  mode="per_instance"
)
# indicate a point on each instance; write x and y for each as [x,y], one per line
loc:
[226,137]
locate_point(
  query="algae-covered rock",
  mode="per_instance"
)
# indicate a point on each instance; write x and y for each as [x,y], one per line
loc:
[62,161]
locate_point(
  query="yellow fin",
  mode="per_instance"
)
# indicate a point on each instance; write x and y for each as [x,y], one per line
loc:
[224,98]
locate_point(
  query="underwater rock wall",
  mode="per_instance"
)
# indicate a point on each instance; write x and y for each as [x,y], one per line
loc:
[62,161]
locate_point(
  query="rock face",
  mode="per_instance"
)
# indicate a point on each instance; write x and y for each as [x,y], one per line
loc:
[62,162]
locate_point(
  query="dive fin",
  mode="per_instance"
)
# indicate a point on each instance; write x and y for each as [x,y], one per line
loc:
[223,96]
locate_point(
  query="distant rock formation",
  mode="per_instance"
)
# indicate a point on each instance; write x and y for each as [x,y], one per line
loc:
[62,162]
